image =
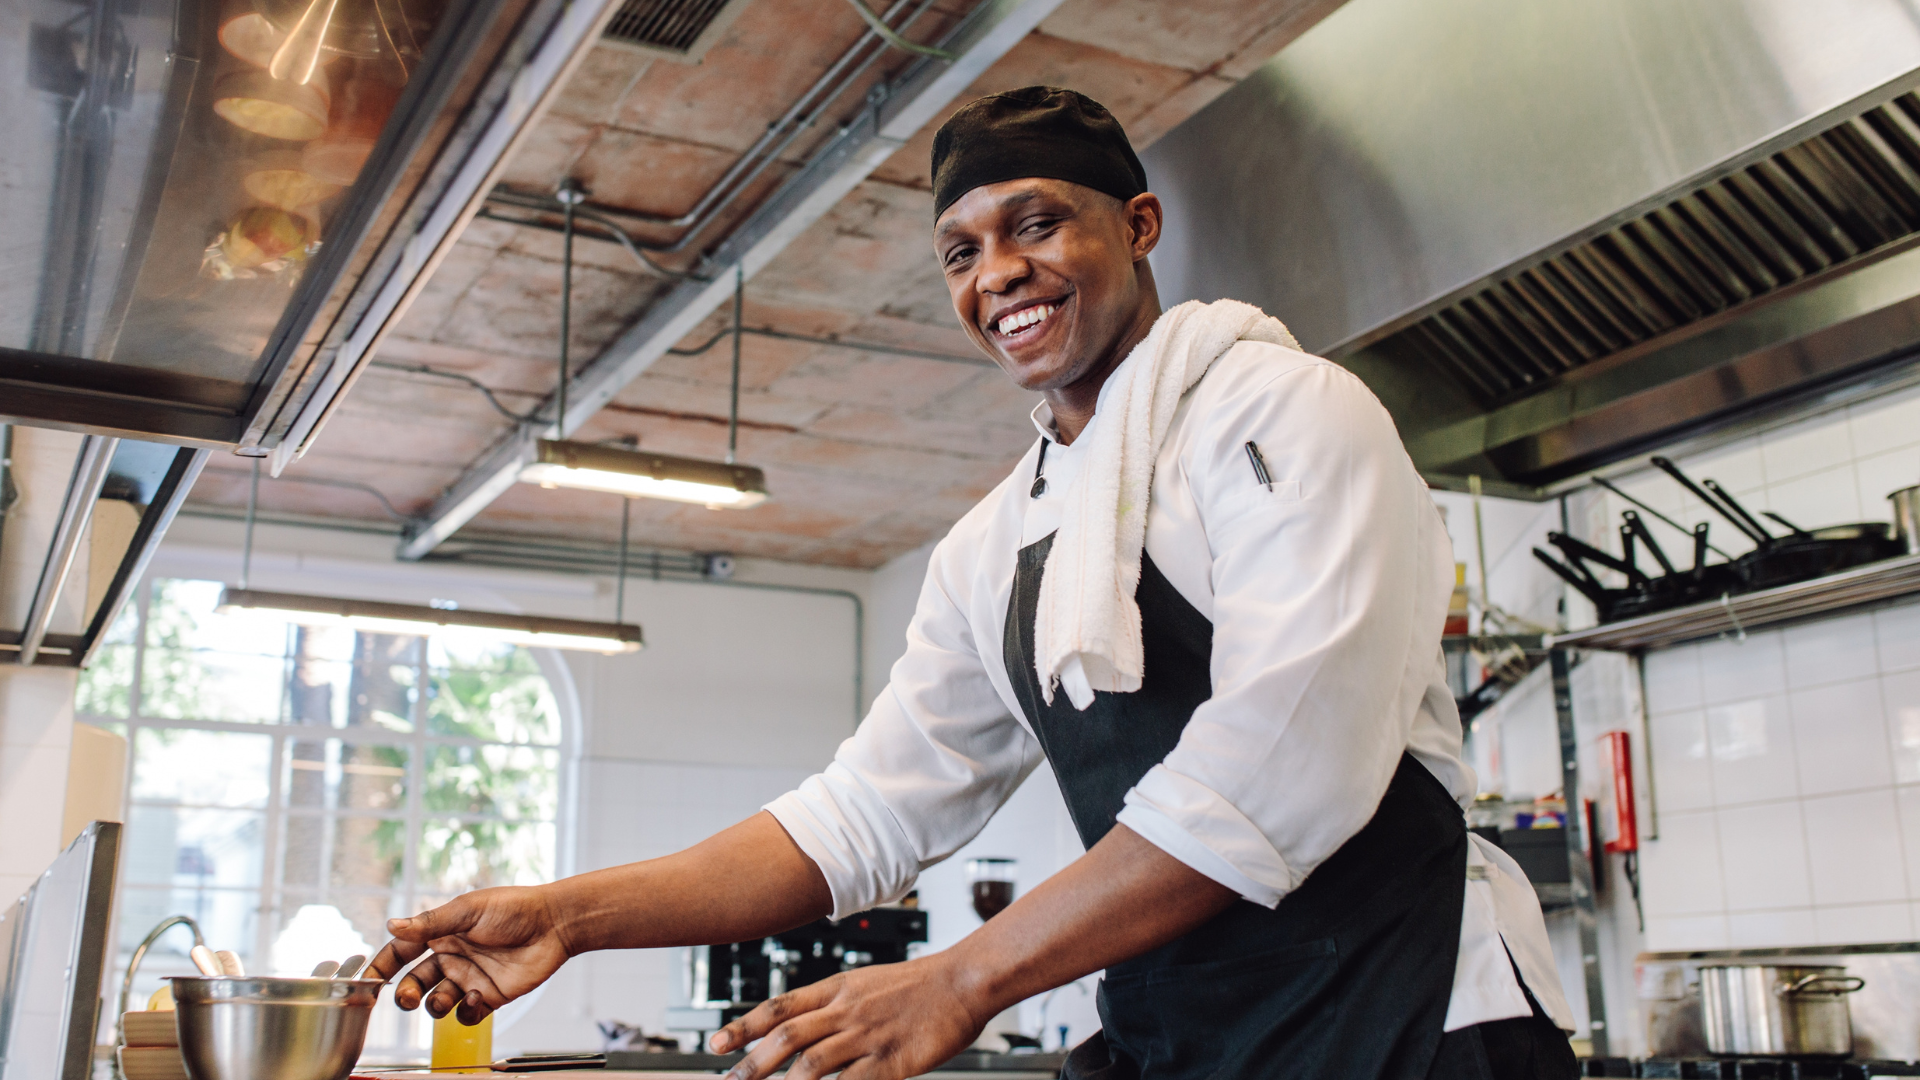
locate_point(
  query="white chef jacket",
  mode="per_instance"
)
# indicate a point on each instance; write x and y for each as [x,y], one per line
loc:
[1327,595]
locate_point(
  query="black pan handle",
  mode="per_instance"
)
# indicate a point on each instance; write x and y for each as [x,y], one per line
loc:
[1610,486]
[1640,529]
[1586,585]
[1577,566]
[1581,551]
[1700,551]
[1798,532]
[1765,539]
[1713,504]
[1635,578]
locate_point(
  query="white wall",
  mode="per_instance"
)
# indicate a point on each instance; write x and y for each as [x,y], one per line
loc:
[892,593]
[36,704]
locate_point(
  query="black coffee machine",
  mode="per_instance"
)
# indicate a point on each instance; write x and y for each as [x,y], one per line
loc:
[715,984]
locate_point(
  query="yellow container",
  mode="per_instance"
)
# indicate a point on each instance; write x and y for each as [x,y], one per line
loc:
[459,1048]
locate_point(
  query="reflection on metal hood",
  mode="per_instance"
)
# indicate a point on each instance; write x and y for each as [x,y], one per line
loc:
[1553,236]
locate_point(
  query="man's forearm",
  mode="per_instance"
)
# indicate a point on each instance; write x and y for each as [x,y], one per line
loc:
[746,882]
[1122,898]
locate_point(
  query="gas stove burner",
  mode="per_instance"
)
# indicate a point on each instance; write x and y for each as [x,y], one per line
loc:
[1756,1068]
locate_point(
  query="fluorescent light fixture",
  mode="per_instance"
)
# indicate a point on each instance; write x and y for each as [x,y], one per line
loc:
[379,617]
[642,474]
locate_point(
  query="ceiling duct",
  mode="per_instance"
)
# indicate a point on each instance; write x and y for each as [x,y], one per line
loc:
[676,29]
[1553,237]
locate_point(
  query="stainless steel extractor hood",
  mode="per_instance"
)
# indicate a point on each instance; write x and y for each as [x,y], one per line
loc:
[212,208]
[1554,236]
[210,212]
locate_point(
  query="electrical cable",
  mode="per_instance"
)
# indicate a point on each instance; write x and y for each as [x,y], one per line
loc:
[9,493]
[441,373]
[733,401]
[838,343]
[620,578]
[634,249]
[614,233]
[253,503]
[318,481]
[880,27]
[570,196]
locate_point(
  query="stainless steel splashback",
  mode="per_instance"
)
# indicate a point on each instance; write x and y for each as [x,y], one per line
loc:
[1508,217]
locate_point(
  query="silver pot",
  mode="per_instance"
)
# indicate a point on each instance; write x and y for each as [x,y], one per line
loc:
[272,1028]
[1775,1011]
[1906,518]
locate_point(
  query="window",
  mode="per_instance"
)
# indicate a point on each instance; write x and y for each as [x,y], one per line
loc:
[293,787]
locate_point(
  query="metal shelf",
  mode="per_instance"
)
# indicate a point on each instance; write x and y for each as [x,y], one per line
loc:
[1554,895]
[1458,643]
[1751,611]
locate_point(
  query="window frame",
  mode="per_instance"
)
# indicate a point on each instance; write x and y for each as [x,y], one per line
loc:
[273,898]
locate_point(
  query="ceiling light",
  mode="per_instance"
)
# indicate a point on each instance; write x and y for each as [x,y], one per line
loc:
[378,617]
[642,474]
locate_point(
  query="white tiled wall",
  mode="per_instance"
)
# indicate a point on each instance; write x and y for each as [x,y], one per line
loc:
[1787,782]
[1787,765]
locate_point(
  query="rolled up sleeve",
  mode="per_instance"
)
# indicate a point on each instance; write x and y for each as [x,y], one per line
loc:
[936,756]
[1329,593]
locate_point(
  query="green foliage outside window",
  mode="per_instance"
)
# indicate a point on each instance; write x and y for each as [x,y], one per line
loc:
[341,709]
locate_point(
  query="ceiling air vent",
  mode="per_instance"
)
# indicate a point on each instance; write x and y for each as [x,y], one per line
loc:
[675,29]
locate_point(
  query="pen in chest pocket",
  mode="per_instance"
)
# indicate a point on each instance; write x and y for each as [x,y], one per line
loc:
[1259,466]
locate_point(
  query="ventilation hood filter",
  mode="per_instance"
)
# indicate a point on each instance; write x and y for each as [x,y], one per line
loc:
[675,29]
[1844,195]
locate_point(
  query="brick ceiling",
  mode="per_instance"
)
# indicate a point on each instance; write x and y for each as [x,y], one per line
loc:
[867,455]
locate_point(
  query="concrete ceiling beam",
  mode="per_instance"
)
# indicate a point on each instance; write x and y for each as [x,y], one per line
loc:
[890,119]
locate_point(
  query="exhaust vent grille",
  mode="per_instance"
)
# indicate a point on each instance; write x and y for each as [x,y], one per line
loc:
[1844,195]
[677,29]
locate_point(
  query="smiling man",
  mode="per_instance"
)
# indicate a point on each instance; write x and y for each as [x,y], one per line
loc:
[1210,597]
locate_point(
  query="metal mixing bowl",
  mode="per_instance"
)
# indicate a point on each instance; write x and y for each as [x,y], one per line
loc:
[272,1029]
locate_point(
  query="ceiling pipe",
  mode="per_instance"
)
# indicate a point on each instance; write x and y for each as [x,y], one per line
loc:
[762,154]
[563,51]
[8,493]
[83,493]
[893,116]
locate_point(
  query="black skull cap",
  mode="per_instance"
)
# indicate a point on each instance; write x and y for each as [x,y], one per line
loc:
[1033,131]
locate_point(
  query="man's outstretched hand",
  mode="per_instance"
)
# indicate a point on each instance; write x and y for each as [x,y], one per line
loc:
[494,945]
[871,1023]
[489,947]
[890,1021]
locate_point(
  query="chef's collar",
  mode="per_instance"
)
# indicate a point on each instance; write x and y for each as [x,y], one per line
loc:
[1043,422]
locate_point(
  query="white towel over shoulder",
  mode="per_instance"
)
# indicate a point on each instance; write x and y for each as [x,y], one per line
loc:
[1087,629]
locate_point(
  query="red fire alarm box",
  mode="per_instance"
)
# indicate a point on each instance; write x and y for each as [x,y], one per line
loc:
[1613,809]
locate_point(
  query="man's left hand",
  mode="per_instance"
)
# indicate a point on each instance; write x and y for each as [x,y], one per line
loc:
[886,1022]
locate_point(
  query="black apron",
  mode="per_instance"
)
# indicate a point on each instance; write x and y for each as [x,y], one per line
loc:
[1348,978]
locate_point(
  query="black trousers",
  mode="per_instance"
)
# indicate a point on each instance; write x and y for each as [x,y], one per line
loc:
[1522,1048]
